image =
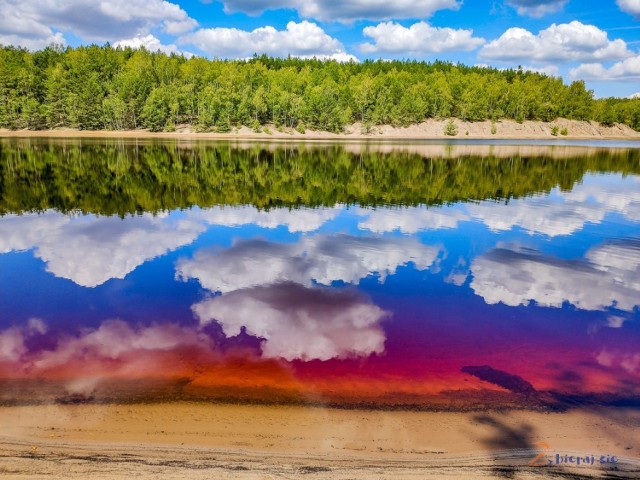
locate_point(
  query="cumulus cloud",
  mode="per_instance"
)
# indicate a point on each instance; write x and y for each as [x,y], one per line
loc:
[151,43]
[537,215]
[565,42]
[322,259]
[31,40]
[537,8]
[562,213]
[32,24]
[296,219]
[628,361]
[616,321]
[419,38]
[91,250]
[114,339]
[626,70]
[609,276]
[410,219]
[304,39]
[23,232]
[630,6]
[297,322]
[330,10]
[553,214]
[13,339]
[551,70]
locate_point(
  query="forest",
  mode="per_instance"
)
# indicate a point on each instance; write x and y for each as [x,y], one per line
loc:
[112,177]
[101,87]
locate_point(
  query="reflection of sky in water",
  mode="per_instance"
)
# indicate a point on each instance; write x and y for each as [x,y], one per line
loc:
[347,301]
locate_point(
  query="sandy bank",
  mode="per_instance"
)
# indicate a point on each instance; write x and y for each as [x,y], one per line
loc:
[198,440]
[431,129]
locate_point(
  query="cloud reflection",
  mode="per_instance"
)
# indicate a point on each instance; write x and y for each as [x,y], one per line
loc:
[609,276]
[90,250]
[321,258]
[297,322]
[13,340]
[271,289]
[296,220]
[552,214]
[410,219]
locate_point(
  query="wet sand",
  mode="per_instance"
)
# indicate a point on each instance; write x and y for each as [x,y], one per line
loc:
[204,440]
[431,129]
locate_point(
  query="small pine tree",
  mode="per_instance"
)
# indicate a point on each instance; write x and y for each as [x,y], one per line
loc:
[450,128]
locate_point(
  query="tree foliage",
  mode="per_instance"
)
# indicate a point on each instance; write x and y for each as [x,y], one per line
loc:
[119,177]
[92,87]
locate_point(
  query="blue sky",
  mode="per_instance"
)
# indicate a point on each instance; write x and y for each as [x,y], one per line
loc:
[598,42]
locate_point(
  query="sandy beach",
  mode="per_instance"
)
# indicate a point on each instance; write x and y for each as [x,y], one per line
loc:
[431,129]
[204,440]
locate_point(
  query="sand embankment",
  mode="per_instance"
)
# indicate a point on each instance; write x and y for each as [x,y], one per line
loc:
[204,440]
[431,129]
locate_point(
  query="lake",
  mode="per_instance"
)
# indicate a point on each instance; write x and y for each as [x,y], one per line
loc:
[378,275]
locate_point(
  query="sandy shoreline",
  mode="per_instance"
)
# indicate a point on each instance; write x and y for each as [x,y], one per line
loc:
[203,440]
[431,129]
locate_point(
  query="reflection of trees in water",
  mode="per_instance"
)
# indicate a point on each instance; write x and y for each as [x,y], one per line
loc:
[111,177]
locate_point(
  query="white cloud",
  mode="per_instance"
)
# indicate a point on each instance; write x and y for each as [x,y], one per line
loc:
[419,38]
[613,193]
[630,6]
[297,322]
[296,219]
[332,10]
[626,70]
[562,213]
[537,8]
[608,276]
[23,232]
[536,215]
[616,321]
[630,362]
[151,43]
[33,41]
[572,41]
[91,250]
[410,219]
[553,214]
[304,39]
[36,24]
[551,70]
[634,95]
[114,339]
[12,340]
[321,258]
[340,57]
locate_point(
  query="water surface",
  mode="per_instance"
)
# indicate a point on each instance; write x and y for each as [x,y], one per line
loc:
[411,275]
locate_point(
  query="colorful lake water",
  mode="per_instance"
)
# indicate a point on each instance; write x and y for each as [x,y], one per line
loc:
[384,275]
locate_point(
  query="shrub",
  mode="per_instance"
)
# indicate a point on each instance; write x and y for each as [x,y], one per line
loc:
[554,130]
[450,128]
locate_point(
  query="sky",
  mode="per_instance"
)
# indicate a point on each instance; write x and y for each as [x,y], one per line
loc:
[598,42]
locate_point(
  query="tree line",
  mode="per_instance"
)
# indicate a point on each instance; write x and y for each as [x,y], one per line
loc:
[101,87]
[112,177]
